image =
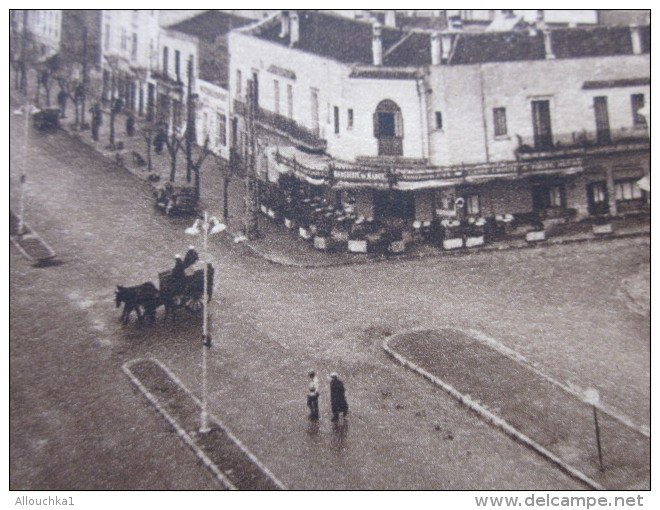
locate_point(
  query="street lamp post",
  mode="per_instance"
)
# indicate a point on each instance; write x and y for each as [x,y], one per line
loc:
[207,226]
[25,110]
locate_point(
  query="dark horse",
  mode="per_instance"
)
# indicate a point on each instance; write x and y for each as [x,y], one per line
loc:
[136,298]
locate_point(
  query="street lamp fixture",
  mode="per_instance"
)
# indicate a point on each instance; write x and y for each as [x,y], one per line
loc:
[207,226]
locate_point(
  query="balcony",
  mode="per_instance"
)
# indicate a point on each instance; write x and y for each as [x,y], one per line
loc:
[284,126]
[583,142]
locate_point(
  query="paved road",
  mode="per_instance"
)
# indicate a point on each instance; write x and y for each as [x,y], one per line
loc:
[72,408]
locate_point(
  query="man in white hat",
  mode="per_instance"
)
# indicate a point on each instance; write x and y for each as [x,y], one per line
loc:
[313,396]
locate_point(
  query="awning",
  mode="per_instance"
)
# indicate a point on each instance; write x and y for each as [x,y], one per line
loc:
[312,168]
[645,184]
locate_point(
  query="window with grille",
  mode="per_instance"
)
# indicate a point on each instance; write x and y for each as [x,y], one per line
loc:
[222,128]
[349,119]
[499,121]
[239,82]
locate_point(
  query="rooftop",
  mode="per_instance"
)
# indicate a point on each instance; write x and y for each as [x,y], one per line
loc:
[210,25]
[349,41]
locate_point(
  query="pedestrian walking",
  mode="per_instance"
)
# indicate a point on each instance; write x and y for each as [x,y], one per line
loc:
[130,125]
[338,402]
[62,98]
[313,396]
[97,120]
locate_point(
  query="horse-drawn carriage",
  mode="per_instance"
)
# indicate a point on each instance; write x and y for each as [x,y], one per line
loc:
[185,291]
[189,293]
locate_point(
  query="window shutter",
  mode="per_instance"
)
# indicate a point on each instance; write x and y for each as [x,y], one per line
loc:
[376,126]
[398,125]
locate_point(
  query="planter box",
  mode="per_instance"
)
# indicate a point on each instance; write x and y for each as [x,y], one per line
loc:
[602,229]
[289,223]
[453,243]
[340,235]
[535,237]
[397,247]
[323,243]
[474,241]
[357,245]
[304,233]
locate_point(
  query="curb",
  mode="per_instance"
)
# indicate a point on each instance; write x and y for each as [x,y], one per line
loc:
[493,419]
[519,358]
[20,241]
[287,262]
[185,436]
[439,255]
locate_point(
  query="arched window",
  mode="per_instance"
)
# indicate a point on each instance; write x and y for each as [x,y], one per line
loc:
[388,128]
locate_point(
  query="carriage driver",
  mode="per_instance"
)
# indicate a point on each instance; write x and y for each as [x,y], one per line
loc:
[190,258]
[179,272]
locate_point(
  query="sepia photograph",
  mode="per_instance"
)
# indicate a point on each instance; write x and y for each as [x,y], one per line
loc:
[330,250]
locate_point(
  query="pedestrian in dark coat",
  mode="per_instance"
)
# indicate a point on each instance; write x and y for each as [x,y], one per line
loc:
[62,98]
[191,257]
[130,125]
[313,396]
[337,397]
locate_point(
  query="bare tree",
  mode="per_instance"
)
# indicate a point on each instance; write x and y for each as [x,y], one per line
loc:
[148,134]
[196,164]
[173,142]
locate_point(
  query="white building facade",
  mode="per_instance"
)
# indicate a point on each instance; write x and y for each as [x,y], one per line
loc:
[408,122]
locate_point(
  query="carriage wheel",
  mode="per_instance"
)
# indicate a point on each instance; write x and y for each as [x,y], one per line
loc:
[195,304]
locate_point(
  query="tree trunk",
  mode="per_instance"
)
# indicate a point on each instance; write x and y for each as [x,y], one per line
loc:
[113,115]
[225,196]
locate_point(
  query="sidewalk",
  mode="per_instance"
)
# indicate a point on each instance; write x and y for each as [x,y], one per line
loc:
[280,245]
[556,421]
[276,243]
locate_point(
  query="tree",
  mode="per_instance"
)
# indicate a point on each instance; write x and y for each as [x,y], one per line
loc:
[148,132]
[67,82]
[196,164]
[173,142]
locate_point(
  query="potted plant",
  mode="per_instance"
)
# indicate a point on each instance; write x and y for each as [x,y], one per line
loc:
[602,225]
[453,235]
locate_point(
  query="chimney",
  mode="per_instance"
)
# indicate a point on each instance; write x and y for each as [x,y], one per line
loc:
[377,44]
[547,42]
[636,39]
[295,28]
[390,19]
[446,46]
[436,52]
[286,23]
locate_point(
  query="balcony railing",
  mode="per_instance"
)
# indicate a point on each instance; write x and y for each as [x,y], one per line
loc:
[298,134]
[581,142]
